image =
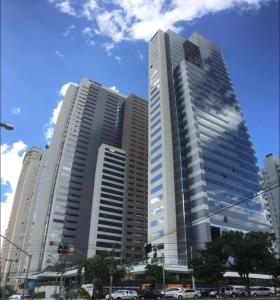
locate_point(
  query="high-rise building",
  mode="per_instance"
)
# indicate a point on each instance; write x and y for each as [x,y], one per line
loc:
[201,157]
[13,260]
[135,143]
[271,180]
[92,115]
[107,216]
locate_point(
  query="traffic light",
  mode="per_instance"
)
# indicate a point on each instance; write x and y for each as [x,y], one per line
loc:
[148,248]
[62,249]
[155,252]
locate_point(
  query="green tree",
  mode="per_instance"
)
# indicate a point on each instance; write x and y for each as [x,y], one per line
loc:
[273,269]
[207,267]
[154,275]
[247,253]
[241,252]
[98,268]
[209,264]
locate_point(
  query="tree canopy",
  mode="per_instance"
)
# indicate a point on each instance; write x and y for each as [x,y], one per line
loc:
[235,251]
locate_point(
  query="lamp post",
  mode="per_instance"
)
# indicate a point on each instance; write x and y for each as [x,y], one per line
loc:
[6,126]
[163,275]
[28,266]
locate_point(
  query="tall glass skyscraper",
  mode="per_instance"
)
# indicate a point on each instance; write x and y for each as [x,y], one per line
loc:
[201,156]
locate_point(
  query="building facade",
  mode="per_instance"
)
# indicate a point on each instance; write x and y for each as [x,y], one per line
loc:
[201,157]
[92,115]
[107,216]
[135,144]
[13,260]
[271,181]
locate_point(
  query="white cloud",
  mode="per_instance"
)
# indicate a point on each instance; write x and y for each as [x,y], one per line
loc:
[89,8]
[65,7]
[65,87]
[59,54]
[140,56]
[89,33]
[108,47]
[11,163]
[91,42]
[139,19]
[16,111]
[49,127]
[114,88]
[117,58]
[68,30]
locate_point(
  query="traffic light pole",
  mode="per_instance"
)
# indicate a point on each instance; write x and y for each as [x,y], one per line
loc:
[61,276]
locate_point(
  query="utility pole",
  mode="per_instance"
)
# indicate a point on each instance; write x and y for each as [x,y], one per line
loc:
[193,279]
[61,277]
[9,270]
[163,275]
[28,266]
[63,250]
[111,271]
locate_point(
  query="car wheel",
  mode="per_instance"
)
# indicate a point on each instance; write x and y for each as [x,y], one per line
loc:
[233,295]
[254,295]
[270,294]
[119,298]
[195,296]
[180,297]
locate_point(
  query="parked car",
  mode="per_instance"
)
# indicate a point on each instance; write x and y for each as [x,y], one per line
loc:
[211,293]
[228,291]
[241,291]
[123,294]
[188,293]
[15,297]
[170,292]
[151,294]
[261,291]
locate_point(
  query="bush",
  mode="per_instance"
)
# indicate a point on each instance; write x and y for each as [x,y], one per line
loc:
[83,293]
[39,295]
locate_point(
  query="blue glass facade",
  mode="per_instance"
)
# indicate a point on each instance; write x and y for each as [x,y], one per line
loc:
[213,158]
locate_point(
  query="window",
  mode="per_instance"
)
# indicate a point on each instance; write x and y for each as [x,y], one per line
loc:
[156,199]
[155,132]
[157,234]
[156,178]
[157,210]
[157,188]
[156,140]
[156,158]
[157,167]
[155,149]
[156,222]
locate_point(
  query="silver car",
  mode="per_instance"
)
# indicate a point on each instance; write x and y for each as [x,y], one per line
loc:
[188,293]
[261,291]
[170,292]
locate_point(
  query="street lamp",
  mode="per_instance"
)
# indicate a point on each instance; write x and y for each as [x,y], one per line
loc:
[6,126]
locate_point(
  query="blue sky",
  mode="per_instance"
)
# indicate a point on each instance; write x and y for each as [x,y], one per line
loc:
[48,43]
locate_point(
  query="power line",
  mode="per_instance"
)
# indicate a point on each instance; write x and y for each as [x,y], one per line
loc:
[267,189]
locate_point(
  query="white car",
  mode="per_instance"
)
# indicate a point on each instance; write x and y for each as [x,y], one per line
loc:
[15,297]
[188,293]
[261,291]
[122,294]
[170,292]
